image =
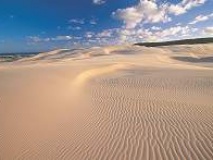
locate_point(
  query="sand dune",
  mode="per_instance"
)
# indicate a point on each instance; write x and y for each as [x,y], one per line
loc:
[116,102]
[90,74]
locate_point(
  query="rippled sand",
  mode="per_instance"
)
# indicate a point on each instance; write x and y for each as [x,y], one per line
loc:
[120,102]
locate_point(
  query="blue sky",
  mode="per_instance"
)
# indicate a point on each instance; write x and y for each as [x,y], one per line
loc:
[40,25]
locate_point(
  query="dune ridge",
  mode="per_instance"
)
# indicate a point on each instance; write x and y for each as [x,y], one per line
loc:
[90,74]
[112,103]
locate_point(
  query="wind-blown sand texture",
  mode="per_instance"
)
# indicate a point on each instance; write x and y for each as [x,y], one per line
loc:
[113,103]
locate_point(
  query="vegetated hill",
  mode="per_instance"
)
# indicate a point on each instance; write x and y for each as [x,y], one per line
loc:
[177,42]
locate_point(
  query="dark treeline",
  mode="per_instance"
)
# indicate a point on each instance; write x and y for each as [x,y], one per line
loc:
[177,42]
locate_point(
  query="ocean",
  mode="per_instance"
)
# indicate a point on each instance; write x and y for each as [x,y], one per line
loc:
[10,57]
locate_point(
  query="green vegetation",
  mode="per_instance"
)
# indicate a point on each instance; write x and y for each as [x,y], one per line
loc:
[177,42]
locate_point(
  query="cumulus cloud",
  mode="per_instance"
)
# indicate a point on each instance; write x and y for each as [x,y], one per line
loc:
[153,12]
[176,9]
[145,12]
[173,32]
[148,34]
[184,6]
[99,2]
[124,35]
[201,18]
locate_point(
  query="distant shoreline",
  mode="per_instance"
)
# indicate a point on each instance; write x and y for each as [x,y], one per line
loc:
[19,53]
[10,57]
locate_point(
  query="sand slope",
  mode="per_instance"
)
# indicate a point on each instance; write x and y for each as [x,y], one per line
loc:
[120,102]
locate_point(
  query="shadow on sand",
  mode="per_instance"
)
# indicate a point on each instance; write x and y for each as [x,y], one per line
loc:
[195,60]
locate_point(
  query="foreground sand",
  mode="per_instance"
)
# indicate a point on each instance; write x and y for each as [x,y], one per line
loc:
[109,103]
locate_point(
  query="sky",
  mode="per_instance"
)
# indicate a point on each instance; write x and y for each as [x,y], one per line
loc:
[42,25]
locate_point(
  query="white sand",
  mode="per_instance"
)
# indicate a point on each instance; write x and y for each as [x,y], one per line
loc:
[112,103]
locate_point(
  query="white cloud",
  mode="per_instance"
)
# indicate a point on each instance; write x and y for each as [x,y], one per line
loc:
[37,39]
[99,2]
[145,12]
[124,35]
[61,38]
[89,34]
[132,35]
[208,30]
[176,9]
[105,37]
[155,28]
[173,31]
[148,34]
[77,21]
[184,6]
[74,28]
[105,33]
[153,12]
[201,18]
[189,4]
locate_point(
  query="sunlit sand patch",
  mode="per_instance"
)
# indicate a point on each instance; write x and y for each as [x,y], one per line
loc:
[89,74]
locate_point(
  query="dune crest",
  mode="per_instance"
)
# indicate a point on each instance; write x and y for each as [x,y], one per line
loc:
[93,73]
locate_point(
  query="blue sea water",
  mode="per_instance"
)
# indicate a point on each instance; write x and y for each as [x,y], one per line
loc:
[10,57]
